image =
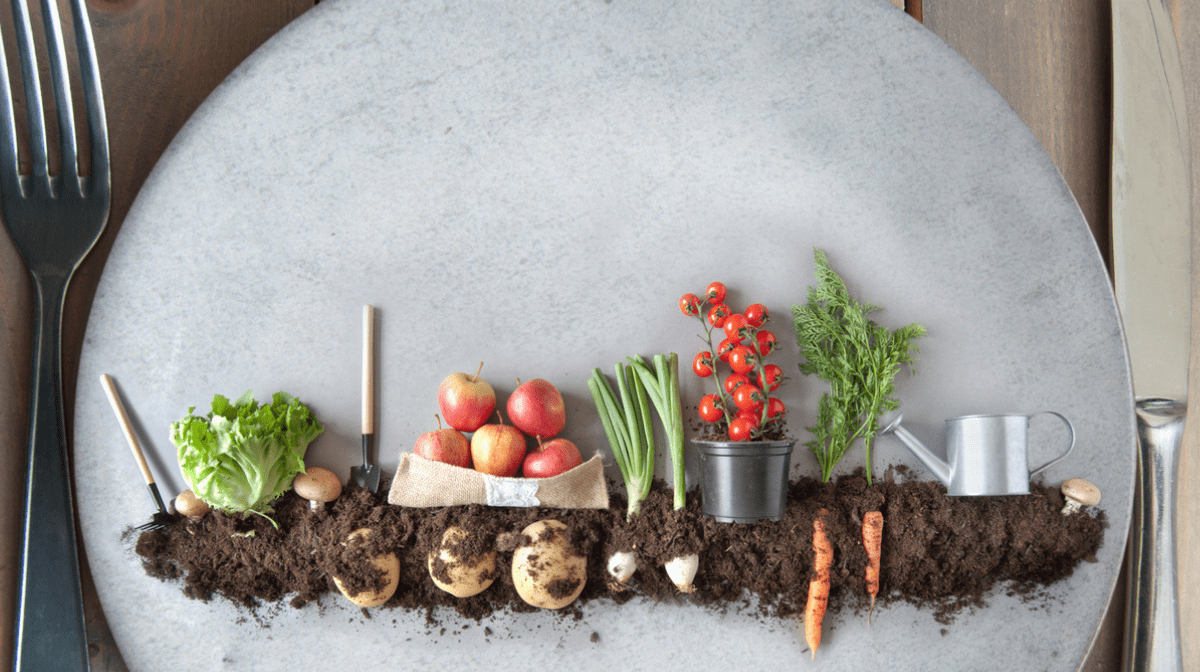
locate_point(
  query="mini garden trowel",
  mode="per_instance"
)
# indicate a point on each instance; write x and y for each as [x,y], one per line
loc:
[367,476]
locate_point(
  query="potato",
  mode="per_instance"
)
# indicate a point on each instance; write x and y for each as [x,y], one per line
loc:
[458,574]
[547,572]
[390,565]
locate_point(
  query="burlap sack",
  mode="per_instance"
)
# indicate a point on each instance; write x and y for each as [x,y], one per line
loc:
[424,483]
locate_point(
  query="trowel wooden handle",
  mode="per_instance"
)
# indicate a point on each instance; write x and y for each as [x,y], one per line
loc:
[368,373]
[110,389]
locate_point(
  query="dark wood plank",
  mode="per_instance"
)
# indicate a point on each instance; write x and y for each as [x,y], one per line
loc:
[159,59]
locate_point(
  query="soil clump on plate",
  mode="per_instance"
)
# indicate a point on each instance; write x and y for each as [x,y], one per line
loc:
[939,552]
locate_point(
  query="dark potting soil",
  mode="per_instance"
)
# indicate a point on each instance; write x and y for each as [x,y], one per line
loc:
[943,553]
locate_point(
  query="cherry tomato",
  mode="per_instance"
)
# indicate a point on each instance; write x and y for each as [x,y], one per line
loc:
[752,416]
[741,359]
[773,375]
[710,408]
[702,364]
[740,429]
[764,342]
[775,408]
[726,346]
[748,398]
[756,314]
[715,292]
[690,304]
[734,381]
[717,315]
[733,326]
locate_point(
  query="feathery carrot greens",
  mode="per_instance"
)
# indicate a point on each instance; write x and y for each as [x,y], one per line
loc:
[857,357]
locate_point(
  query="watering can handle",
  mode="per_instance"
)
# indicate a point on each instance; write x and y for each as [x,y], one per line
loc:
[1071,447]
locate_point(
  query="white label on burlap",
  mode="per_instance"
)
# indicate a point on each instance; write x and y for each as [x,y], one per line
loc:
[510,491]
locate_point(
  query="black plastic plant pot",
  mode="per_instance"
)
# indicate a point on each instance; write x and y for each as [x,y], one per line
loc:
[744,481]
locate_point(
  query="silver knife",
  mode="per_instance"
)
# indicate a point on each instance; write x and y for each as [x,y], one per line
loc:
[1151,220]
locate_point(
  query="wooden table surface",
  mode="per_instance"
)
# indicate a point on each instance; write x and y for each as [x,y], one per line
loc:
[159,59]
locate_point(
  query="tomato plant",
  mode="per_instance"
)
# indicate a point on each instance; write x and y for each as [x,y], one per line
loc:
[744,402]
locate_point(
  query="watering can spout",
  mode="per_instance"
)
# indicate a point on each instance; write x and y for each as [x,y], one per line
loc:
[936,465]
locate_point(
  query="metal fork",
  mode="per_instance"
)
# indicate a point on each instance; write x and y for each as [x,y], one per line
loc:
[53,221]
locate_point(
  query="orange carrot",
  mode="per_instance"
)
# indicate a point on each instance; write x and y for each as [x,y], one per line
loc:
[872,538]
[818,586]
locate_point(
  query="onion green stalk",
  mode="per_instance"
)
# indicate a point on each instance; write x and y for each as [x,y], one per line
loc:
[662,385]
[627,426]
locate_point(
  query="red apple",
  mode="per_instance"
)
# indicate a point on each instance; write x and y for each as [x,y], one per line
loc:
[498,449]
[444,445]
[537,408]
[466,401]
[551,459]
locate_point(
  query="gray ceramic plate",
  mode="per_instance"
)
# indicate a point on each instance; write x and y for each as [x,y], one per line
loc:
[534,184]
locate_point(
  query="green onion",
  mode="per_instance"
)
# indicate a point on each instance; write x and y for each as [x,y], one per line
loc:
[627,426]
[662,385]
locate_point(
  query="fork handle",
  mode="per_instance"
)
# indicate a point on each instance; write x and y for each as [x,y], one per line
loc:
[51,632]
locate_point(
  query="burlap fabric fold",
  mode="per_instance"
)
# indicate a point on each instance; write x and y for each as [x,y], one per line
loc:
[423,483]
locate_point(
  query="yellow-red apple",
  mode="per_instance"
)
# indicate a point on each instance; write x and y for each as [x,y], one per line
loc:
[551,459]
[537,408]
[466,401]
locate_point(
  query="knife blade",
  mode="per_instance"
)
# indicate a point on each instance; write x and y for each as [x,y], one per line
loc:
[1151,222]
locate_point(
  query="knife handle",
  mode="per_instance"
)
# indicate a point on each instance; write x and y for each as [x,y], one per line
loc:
[368,372]
[1152,642]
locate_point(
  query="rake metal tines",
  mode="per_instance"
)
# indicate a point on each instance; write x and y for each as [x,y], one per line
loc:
[53,220]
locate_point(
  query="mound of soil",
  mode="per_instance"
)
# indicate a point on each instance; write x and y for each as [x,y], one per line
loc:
[944,553]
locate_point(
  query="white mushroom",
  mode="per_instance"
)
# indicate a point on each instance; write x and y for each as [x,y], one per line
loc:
[318,485]
[188,504]
[1079,493]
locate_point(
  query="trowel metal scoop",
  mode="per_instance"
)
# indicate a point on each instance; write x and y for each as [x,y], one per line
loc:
[367,476]
[986,454]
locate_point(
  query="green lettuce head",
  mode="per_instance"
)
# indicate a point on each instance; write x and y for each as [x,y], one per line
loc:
[243,456]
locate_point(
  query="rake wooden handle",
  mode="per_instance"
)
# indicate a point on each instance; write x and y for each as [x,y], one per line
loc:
[368,372]
[110,389]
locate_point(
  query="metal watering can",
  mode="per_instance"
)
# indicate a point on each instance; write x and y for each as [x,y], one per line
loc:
[987,454]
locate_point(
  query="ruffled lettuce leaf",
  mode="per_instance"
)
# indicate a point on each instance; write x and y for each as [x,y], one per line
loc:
[242,456]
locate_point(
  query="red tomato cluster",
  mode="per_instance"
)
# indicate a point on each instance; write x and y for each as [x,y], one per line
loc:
[743,399]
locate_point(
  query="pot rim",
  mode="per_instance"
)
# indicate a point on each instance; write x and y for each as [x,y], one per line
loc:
[745,444]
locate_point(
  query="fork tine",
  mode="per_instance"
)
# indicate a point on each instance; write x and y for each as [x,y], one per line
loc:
[10,181]
[61,82]
[36,118]
[93,99]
